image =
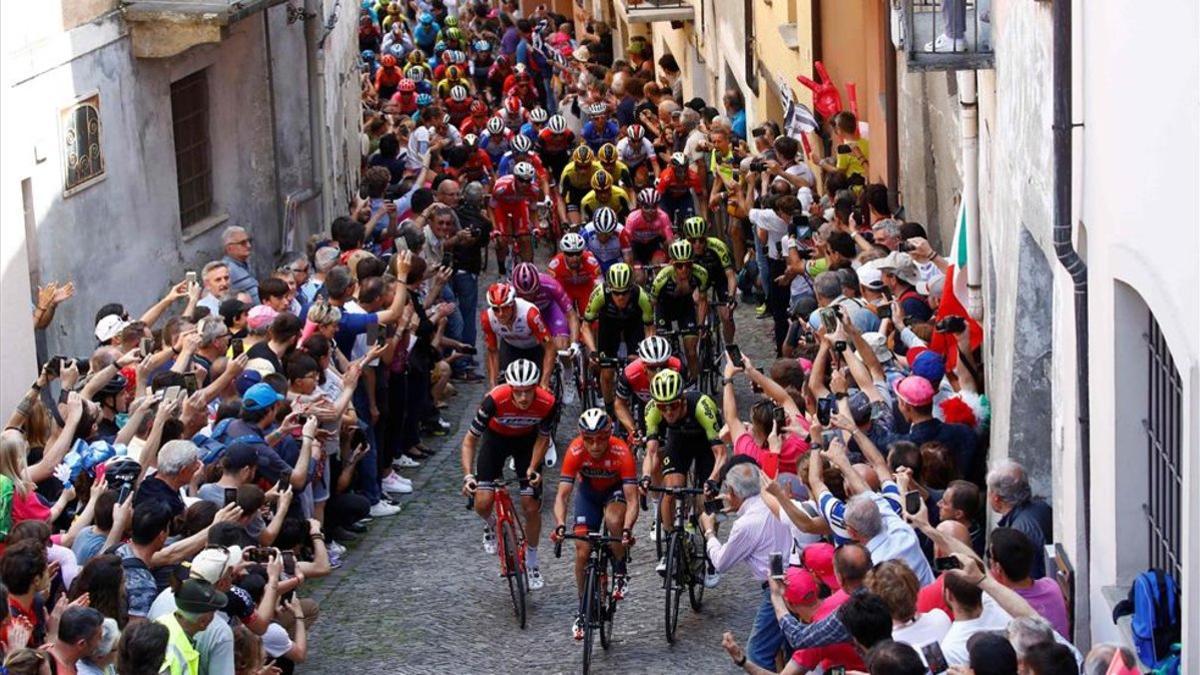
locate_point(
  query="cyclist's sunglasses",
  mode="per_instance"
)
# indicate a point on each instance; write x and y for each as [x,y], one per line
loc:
[668,405]
[682,265]
[574,255]
[624,291]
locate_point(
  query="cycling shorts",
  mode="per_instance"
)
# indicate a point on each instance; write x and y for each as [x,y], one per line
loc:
[512,221]
[509,353]
[649,252]
[683,452]
[494,449]
[556,320]
[590,503]
[573,195]
[678,208]
[614,332]
[677,311]
[579,296]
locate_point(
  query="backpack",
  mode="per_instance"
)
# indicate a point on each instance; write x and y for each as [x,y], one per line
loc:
[1154,603]
[212,446]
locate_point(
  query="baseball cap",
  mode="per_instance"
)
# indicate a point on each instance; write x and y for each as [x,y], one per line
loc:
[915,390]
[239,456]
[860,406]
[261,366]
[261,396]
[870,277]
[247,379]
[800,587]
[818,559]
[212,563]
[199,597]
[260,317]
[878,344]
[929,365]
[110,327]
[901,264]
[583,54]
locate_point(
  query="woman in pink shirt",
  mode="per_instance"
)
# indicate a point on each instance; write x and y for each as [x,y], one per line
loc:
[775,447]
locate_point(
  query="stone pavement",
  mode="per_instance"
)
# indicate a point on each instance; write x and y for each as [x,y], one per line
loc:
[419,595]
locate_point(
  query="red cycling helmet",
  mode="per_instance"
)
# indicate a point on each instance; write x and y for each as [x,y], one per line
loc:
[501,295]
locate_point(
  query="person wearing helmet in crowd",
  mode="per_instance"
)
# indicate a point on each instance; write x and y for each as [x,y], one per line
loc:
[537,121]
[575,268]
[554,143]
[576,180]
[482,58]
[649,231]
[514,329]
[511,198]
[544,291]
[605,193]
[368,34]
[369,64]
[458,104]
[637,152]
[633,384]
[623,315]
[712,254]
[607,156]
[388,77]
[606,238]
[393,16]
[416,59]
[606,473]
[396,36]
[679,186]
[420,76]
[513,113]
[496,139]
[405,98]
[425,34]
[683,428]
[515,419]
[453,77]
[454,39]
[477,166]
[476,119]
[497,75]
[600,129]
[680,294]
[523,88]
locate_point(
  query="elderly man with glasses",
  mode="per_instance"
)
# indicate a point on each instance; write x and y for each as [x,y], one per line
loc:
[238,245]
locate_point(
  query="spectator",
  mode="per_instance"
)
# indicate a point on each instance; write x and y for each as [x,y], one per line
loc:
[1049,659]
[960,502]
[903,281]
[80,630]
[23,569]
[178,462]
[1010,496]
[103,580]
[142,649]
[1011,557]
[238,245]
[215,277]
[991,654]
[895,657]
[735,108]
[103,659]
[90,540]
[196,602]
[971,615]
[915,401]
[893,581]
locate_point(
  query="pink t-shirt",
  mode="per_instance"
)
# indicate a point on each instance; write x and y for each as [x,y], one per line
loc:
[789,453]
[1046,597]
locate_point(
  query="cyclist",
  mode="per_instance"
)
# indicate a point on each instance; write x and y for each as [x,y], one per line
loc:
[405,97]
[555,143]
[713,255]
[610,162]
[575,268]
[458,104]
[477,166]
[514,329]
[682,434]
[680,298]
[607,475]
[511,198]
[388,77]
[654,354]
[513,114]
[454,78]
[606,238]
[600,129]
[604,193]
[418,75]
[649,231]
[544,291]
[637,152]
[576,179]
[514,420]
[679,185]
[495,139]
[537,121]
[623,314]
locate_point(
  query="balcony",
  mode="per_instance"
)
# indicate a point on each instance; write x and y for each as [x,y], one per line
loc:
[649,11]
[928,25]
[164,28]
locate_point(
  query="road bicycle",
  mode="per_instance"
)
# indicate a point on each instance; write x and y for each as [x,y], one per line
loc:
[510,545]
[687,561]
[599,606]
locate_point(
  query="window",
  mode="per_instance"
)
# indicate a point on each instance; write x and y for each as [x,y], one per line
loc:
[193,161]
[947,34]
[83,162]
[1164,433]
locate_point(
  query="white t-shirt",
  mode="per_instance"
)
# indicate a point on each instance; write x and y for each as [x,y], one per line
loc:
[931,626]
[954,644]
[775,227]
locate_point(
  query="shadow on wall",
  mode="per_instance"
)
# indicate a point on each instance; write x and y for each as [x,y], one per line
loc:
[1030,428]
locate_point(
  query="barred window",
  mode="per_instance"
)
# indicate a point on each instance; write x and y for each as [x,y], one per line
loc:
[83,161]
[193,157]
[1164,431]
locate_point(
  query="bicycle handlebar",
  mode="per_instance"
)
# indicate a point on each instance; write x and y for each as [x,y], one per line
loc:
[591,537]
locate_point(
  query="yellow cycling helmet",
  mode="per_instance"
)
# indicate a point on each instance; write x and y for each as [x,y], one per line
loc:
[666,386]
[694,227]
[619,277]
[582,155]
[601,180]
[680,250]
[607,153]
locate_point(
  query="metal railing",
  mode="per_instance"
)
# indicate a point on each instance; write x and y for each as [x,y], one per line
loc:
[948,34]
[1163,425]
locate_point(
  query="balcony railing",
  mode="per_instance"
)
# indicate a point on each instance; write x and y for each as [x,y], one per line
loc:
[649,11]
[948,34]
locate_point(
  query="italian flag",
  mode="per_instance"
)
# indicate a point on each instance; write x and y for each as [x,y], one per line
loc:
[954,293]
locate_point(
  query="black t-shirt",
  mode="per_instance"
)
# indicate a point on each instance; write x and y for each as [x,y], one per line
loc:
[262,350]
[469,257]
[153,489]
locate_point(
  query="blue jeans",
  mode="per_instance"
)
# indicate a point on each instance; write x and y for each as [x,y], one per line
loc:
[764,269]
[765,636]
[366,479]
[454,323]
[465,286]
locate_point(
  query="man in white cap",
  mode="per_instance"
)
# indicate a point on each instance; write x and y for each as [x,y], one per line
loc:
[110,328]
[902,278]
[214,567]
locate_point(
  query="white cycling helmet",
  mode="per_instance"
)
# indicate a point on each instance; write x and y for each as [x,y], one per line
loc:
[605,220]
[594,421]
[655,350]
[571,242]
[521,143]
[538,115]
[648,197]
[558,124]
[524,172]
[495,126]
[458,93]
[522,373]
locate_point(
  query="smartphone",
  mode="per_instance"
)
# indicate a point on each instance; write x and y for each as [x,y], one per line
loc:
[190,383]
[289,563]
[829,319]
[735,355]
[825,409]
[374,331]
[883,312]
[777,566]
[123,493]
[191,277]
[843,149]
[934,658]
[146,346]
[171,393]
[257,554]
[912,501]
[447,260]
[713,506]
[54,365]
[781,419]
[282,484]
[237,346]
[948,562]
[230,495]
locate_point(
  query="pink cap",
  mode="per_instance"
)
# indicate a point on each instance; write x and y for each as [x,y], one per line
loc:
[818,558]
[260,317]
[800,587]
[915,390]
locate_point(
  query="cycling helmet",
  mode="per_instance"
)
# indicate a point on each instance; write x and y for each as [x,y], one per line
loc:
[453,33]
[601,180]
[458,56]
[122,471]
[519,69]
[525,278]
[483,46]
[679,160]
[368,55]
[424,100]
[470,141]
[605,220]
[595,421]
[619,277]
[598,109]
[558,124]
[501,295]
[635,132]
[521,143]
[453,73]
[648,197]
[666,386]
[478,107]
[680,250]
[425,18]
[440,48]
[407,86]
[694,227]
[607,153]
[451,21]
[538,115]
[416,74]
[397,50]
[522,373]
[582,155]
[495,126]
[416,57]
[458,93]
[512,104]
[571,242]
[388,61]
[524,172]
[655,350]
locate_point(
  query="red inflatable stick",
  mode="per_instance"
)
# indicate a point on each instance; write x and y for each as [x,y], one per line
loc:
[826,98]
[852,95]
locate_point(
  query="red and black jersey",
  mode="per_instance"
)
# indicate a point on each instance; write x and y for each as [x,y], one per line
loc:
[500,415]
[556,144]
[634,379]
[613,468]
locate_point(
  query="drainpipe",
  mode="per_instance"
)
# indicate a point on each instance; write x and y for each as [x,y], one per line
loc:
[279,202]
[313,36]
[1069,258]
[969,114]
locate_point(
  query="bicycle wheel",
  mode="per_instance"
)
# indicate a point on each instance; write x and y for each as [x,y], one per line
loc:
[673,584]
[514,570]
[659,544]
[697,571]
[608,606]
[591,619]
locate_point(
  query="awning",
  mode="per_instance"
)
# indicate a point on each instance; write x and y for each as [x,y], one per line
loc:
[163,28]
[649,11]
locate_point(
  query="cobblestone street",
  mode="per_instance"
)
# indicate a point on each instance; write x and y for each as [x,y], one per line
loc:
[419,595]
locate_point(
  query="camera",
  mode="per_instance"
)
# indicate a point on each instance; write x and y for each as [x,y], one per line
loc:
[713,506]
[758,165]
[951,324]
[904,246]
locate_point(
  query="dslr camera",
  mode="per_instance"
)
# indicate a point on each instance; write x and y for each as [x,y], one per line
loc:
[758,165]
